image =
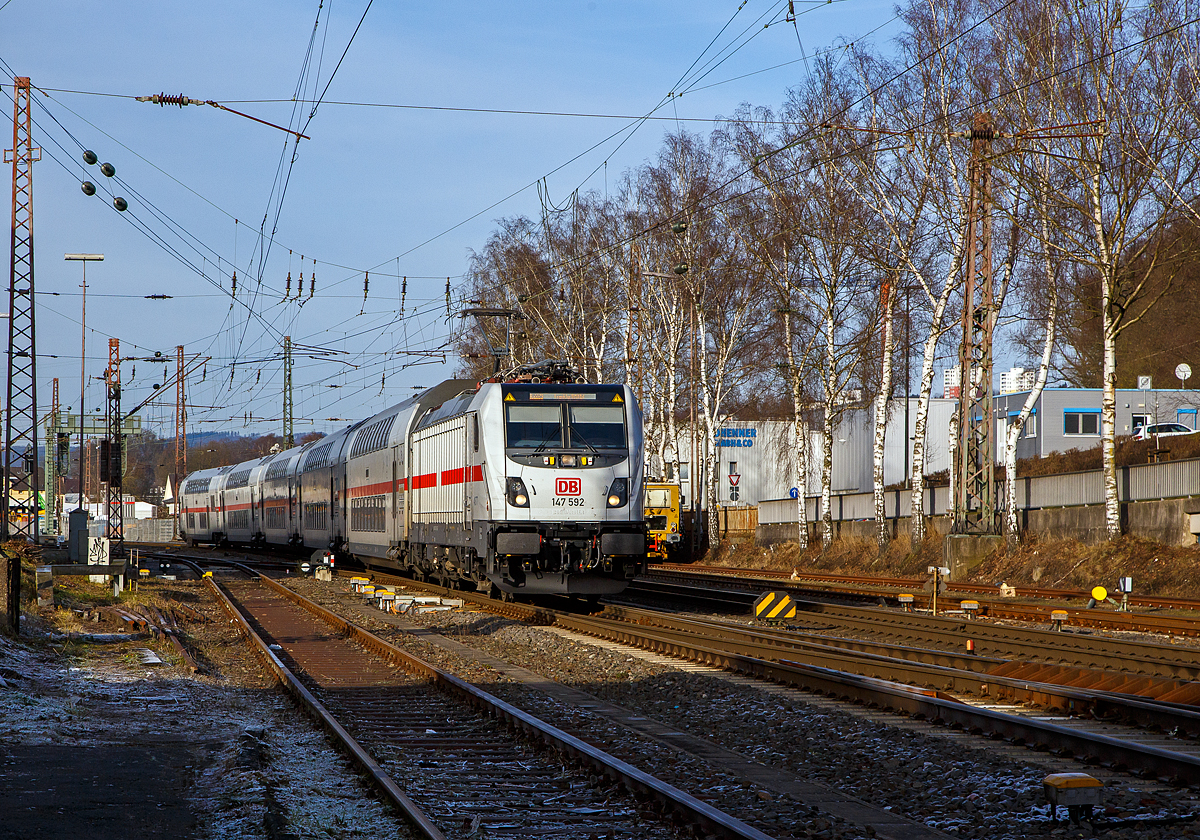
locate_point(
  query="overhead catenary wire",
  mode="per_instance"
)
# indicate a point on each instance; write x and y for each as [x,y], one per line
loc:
[398,273]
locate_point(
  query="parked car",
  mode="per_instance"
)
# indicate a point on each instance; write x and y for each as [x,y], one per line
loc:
[1162,430]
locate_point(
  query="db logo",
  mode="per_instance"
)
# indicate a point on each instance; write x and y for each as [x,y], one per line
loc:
[568,487]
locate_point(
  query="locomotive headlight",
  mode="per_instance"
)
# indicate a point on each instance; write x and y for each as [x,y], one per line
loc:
[518,496]
[618,492]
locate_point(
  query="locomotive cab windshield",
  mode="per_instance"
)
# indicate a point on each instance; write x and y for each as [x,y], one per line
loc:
[565,426]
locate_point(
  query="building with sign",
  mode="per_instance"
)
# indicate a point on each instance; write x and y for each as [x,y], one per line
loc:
[756,458]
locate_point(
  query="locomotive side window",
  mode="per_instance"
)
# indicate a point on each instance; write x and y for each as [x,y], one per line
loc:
[598,426]
[533,426]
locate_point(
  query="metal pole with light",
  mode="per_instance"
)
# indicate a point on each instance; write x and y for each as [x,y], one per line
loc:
[76,523]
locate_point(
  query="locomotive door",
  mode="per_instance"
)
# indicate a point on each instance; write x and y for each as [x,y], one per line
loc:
[470,443]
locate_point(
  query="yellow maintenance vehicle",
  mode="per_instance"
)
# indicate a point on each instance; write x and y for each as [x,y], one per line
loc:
[665,541]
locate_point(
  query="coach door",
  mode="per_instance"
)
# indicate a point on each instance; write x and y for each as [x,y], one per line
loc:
[335,508]
[397,496]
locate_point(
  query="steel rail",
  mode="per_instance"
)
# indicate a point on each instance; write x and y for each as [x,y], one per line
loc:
[412,812]
[1159,602]
[778,646]
[710,819]
[990,639]
[921,703]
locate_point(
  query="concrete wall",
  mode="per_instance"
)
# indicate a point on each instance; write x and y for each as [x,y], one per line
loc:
[859,529]
[1166,521]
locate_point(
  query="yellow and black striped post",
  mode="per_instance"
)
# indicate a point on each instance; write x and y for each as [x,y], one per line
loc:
[772,606]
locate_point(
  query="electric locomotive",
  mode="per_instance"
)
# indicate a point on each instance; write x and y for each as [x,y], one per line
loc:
[527,484]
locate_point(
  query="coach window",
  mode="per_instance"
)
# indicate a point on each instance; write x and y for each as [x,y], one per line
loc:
[534,426]
[597,427]
[1081,422]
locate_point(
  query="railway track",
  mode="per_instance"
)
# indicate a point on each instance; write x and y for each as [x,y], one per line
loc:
[1103,742]
[457,761]
[951,632]
[991,603]
[909,584]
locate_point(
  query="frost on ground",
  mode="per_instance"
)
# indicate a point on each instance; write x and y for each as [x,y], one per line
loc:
[252,765]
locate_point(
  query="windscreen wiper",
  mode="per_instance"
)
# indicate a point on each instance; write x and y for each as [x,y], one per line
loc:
[576,434]
[546,440]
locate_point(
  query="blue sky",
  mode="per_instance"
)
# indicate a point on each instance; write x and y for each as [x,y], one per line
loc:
[393,191]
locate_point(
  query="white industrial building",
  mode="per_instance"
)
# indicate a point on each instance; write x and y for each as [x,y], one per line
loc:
[756,459]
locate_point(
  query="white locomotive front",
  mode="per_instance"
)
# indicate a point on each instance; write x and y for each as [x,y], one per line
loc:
[517,487]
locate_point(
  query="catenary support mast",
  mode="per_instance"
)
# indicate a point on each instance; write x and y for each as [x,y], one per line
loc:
[974,467]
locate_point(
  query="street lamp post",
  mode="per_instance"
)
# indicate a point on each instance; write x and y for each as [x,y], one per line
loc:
[77,523]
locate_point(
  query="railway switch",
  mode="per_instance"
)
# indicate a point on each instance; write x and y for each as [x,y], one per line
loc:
[1057,619]
[772,606]
[970,608]
[1079,792]
[906,602]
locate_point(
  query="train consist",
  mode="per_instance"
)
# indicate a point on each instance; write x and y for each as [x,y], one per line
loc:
[529,485]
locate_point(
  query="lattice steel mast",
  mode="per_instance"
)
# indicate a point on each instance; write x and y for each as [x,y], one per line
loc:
[20,511]
[975,464]
[289,438]
[50,463]
[112,458]
[180,419]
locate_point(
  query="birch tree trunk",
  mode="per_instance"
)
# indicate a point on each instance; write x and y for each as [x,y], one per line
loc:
[952,448]
[1108,418]
[921,420]
[827,427]
[881,417]
[1012,528]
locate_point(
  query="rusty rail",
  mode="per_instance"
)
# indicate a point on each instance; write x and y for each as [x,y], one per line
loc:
[377,774]
[922,703]
[711,820]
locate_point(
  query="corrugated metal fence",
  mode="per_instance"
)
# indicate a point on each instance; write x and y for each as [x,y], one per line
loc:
[1139,483]
[150,530]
